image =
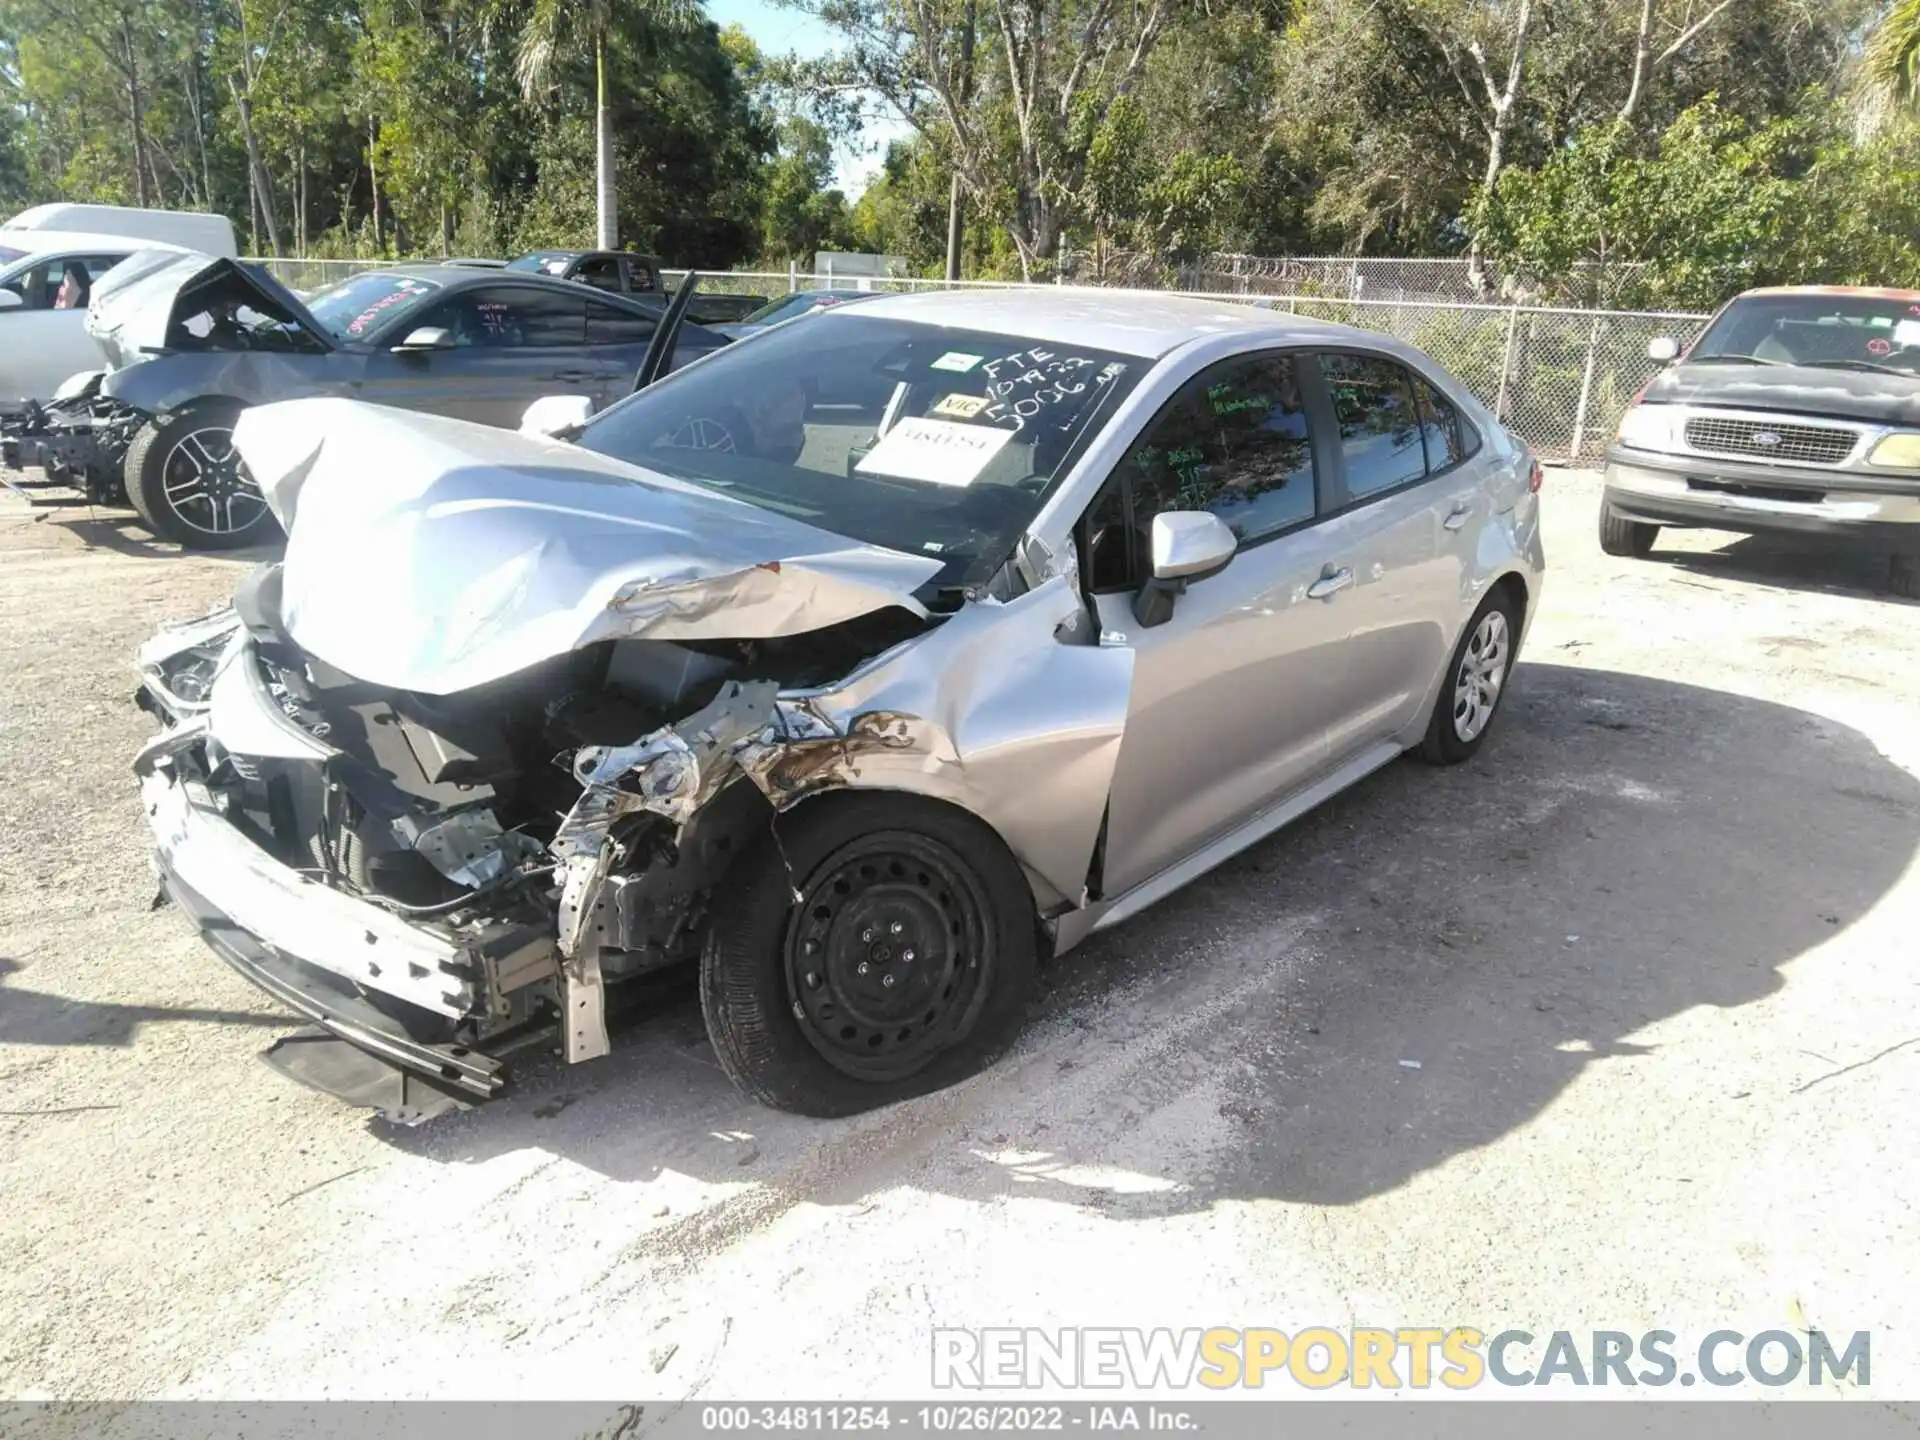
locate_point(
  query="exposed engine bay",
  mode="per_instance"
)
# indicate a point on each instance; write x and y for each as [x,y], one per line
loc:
[565,826]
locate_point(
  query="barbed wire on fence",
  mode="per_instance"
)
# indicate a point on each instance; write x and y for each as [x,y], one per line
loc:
[1558,377]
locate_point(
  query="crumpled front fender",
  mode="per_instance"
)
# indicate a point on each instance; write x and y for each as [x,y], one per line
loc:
[1007,710]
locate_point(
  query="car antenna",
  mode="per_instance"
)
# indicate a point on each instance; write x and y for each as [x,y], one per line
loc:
[660,350]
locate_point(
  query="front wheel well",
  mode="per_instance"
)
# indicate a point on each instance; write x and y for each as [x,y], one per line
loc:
[1516,587]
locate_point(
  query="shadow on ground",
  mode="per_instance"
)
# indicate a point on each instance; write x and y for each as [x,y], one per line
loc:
[101,527]
[1793,563]
[1624,849]
[32,1017]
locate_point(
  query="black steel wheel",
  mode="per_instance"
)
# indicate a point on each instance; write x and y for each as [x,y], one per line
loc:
[902,966]
[888,955]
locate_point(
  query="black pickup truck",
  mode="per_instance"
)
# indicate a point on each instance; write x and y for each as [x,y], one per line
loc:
[638,276]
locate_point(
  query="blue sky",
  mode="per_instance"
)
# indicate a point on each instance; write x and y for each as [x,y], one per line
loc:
[777,31]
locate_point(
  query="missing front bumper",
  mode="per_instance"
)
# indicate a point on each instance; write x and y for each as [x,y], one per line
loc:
[341,962]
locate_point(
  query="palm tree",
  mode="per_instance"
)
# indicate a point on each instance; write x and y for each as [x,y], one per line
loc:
[1893,53]
[559,29]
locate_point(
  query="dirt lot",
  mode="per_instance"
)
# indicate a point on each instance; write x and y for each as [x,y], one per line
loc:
[1652,953]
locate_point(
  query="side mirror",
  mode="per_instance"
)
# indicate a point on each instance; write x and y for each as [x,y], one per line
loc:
[10,299]
[427,337]
[1187,545]
[556,417]
[1663,348]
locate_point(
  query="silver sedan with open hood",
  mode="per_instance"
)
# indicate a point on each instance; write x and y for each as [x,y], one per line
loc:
[860,668]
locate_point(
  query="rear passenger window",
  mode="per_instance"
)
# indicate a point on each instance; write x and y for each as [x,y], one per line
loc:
[609,325]
[1233,441]
[1380,432]
[1449,439]
[510,317]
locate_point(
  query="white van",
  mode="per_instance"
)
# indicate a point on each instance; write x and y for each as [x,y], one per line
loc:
[209,234]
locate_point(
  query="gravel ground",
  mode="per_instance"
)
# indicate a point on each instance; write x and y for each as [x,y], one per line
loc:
[1652,954]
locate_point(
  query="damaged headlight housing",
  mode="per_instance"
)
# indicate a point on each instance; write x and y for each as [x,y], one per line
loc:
[180,663]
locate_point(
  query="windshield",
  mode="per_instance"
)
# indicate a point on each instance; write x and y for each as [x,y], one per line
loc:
[1867,332]
[545,262]
[789,305]
[8,254]
[360,304]
[919,438]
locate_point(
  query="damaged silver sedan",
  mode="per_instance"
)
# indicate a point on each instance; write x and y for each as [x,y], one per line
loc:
[858,668]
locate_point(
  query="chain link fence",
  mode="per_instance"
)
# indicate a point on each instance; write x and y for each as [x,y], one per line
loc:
[1559,378]
[1349,277]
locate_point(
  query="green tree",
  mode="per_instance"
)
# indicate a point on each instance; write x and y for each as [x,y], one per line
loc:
[1893,52]
[803,213]
[555,28]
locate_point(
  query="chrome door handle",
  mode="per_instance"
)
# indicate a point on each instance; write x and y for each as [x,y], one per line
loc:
[1330,584]
[1457,516]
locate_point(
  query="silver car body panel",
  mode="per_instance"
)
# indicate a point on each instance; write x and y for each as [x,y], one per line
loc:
[506,549]
[434,555]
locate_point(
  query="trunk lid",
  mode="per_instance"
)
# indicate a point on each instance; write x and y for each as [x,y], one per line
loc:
[434,555]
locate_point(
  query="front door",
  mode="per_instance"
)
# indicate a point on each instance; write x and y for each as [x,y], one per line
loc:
[1233,697]
[506,346]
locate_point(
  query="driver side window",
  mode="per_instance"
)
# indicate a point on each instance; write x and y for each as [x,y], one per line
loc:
[1234,441]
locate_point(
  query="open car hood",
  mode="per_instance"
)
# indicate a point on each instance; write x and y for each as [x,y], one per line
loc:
[134,306]
[435,555]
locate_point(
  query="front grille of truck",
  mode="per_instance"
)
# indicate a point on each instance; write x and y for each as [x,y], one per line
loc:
[1762,440]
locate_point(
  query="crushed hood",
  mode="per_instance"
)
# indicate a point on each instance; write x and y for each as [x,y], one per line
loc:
[435,555]
[134,306]
[1864,395]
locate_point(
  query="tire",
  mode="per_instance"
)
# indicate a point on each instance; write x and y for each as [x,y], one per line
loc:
[887,882]
[186,483]
[1630,539]
[1456,730]
[1903,574]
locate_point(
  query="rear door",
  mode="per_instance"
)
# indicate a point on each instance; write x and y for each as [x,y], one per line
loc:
[507,345]
[1411,505]
[617,340]
[1234,696]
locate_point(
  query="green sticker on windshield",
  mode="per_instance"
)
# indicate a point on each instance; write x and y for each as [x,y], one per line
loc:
[954,360]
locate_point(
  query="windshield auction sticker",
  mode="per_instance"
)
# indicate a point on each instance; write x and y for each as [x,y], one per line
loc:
[938,452]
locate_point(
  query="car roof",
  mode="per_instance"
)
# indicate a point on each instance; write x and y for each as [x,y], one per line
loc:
[1871,292]
[472,276]
[1127,322]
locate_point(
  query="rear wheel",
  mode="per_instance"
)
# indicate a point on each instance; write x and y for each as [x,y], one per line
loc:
[1628,538]
[1476,682]
[185,479]
[879,947]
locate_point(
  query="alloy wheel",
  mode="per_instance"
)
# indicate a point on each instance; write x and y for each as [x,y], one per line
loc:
[1482,673]
[206,483]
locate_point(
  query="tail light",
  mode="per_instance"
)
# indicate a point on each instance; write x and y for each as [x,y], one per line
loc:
[1535,478]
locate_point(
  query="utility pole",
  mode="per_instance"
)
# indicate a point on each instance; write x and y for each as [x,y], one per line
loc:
[955,200]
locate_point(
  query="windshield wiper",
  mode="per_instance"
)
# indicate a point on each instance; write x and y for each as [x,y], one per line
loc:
[1729,360]
[1853,365]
